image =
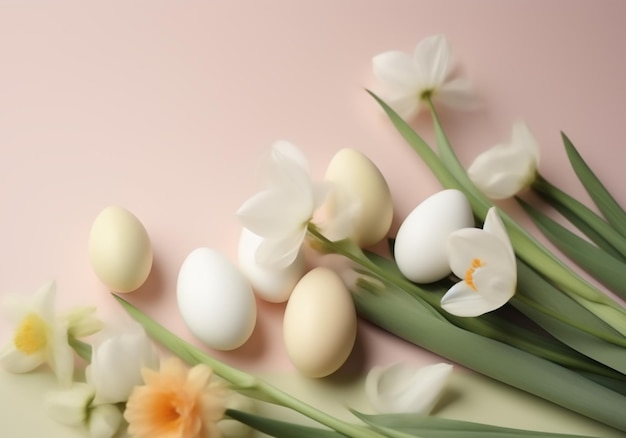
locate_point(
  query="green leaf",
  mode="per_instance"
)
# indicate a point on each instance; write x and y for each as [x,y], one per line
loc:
[433,427]
[609,207]
[604,267]
[280,429]
[582,217]
[394,311]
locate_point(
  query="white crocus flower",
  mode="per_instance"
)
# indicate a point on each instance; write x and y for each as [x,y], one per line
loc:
[409,79]
[280,214]
[507,168]
[39,337]
[403,388]
[116,363]
[485,261]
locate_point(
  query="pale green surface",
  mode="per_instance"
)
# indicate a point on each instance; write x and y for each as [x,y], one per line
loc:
[468,397]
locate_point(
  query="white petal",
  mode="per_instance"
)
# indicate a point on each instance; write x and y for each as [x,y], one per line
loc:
[457,94]
[523,137]
[396,70]
[401,388]
[496,289]
[462,300]
[81,322]
[406,106]
[494,225]
[284,151]
[467,244]
[43,301]
[60,354]
[280,253]
[14,361]
[104,421]
[117,362]
[69,406]
[271,212]
[432,58]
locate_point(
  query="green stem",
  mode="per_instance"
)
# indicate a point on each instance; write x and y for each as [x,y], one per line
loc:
[242,381]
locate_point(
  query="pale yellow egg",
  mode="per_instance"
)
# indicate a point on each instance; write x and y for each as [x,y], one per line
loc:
[120,250]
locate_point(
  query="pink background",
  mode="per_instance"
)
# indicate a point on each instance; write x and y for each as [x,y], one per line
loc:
[165,107]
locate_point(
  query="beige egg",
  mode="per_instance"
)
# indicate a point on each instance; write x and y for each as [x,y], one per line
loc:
[319,325]
[120,250]
[356,177]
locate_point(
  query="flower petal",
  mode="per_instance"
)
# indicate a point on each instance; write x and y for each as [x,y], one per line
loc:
[468,244]
[104,421]
[396,70]
[69,406]
[14,361]
[494,225]
[458,94]
[462,300]
[432,58]
[401,388]
[280,253]
[60,353]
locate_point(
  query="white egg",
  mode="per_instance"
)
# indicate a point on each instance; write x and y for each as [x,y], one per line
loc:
[120,251]
[215,300]
[273,285]
[356,177]
[420,245]
[319,325]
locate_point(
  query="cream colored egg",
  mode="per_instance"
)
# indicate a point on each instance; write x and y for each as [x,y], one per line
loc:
[120,250]
[319,325]
[420,245]
[356,177]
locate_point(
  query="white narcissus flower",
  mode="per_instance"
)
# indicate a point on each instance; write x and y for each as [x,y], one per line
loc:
[117,361]
[507,168]
[281,213]
[485,261]
[409,79]
[39,337]
[403,388]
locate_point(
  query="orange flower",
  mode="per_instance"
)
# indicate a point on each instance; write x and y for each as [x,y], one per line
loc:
[175,402]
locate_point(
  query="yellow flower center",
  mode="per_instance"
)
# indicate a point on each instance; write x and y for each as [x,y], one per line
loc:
[469,274]
[31,335]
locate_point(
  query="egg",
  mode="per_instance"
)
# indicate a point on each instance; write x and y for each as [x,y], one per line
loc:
[119,249]
[215,300]
[356,177]
[319,324]
[270,284]
[420,244]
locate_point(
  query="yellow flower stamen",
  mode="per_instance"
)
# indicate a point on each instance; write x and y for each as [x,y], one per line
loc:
[469,274]
[31,335]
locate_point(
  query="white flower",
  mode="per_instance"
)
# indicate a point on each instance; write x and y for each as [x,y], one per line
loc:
[280,214]
[104,421]
[402,388]
[507,168]
[39,336]
[485,261]
[116,363]
[427,73]
[70,405]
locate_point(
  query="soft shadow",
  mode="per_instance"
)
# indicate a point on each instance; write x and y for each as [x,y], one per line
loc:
[449,397]
[354,366]
[154,289]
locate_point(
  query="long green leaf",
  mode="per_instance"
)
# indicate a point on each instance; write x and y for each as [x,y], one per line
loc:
[280,429]
[604,267]
[395,312]
[609,207]
[440,427]
[582,217]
